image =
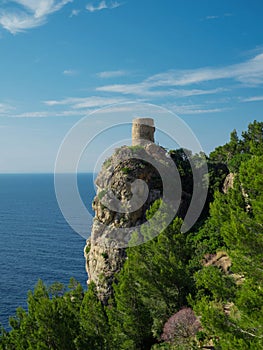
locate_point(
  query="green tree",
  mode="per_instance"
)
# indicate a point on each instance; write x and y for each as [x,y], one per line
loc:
[231,304]
[129,318]
[94,330]
[51,322]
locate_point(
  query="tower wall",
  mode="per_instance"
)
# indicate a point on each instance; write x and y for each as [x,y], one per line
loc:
[142,131]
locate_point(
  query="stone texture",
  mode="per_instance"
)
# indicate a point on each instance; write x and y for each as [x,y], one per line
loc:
[220,259]
[229,182]
[124,179]
[142,131]
[130,181]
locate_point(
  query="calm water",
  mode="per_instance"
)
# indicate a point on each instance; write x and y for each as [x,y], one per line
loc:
[35,240]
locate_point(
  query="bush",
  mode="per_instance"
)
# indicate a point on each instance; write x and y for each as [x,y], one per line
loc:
[181,327]
[126,170]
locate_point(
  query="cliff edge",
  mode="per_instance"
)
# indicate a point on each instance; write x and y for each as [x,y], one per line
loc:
[127,185]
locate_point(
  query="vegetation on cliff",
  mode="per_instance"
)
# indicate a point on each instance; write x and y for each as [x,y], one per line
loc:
[194,290]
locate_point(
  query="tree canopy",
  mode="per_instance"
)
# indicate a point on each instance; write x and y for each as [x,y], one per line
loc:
[200,289]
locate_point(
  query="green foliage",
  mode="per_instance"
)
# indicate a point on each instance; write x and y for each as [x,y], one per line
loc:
[211,281]
[105,255]
[57,289]
[50,323]
[209,237]
[102,193]
[130,321]
[167,273]
[253,139]
[181,158]
[87,249]
[235,162]
[162,278]
[238,150]
[107,163]
[217,173]
[236,221]
[93,332]
[136,148]
[125,170]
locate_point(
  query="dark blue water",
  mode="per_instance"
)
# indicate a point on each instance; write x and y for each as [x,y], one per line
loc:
[35,240]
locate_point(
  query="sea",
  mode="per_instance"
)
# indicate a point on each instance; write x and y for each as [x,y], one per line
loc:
[36,242]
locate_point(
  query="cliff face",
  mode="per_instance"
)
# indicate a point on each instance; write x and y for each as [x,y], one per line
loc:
[127,185]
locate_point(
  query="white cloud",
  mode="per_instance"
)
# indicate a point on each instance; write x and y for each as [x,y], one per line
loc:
[145,89]
[49,114]
[70,107]
[112,74]
[85,105]
[70,72]
[5,109]
[42,8]
[81,112]
[85,102]
[18,22]
[193,109]
[31,14]
[253,99]
[211,17]
[74,13]
[249,73]
[178,109]
[103,5]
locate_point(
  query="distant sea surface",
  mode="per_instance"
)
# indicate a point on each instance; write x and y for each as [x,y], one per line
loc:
[35,240]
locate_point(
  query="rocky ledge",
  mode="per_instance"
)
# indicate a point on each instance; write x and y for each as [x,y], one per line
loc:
[127,185]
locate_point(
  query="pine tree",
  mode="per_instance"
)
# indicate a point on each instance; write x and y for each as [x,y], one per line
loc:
[93,323]
[231,303]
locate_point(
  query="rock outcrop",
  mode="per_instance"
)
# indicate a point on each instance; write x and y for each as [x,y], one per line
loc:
[127,186]
[229,182]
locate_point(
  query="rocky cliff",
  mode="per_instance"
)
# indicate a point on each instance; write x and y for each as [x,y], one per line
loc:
[127,185]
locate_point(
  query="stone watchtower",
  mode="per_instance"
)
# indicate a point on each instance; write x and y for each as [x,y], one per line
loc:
[142,131]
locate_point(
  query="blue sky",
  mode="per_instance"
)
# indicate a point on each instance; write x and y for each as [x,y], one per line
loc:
[60,60]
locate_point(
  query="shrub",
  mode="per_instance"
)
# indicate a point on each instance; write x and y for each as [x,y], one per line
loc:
[101,194]
[181,327]
[126,170]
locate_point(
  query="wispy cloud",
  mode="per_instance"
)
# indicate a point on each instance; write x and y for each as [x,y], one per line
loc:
[74,13]
[49,114]
[70,72]
[88,104]
[79,107]
[112,74]
[145,89]
[103,5]
[159,88]
[70,107]
[180,109]
[5,109]
[28,14]
[19,22]
[253,99]
[85,102]
[249,73]
[193,109]
[211,17]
